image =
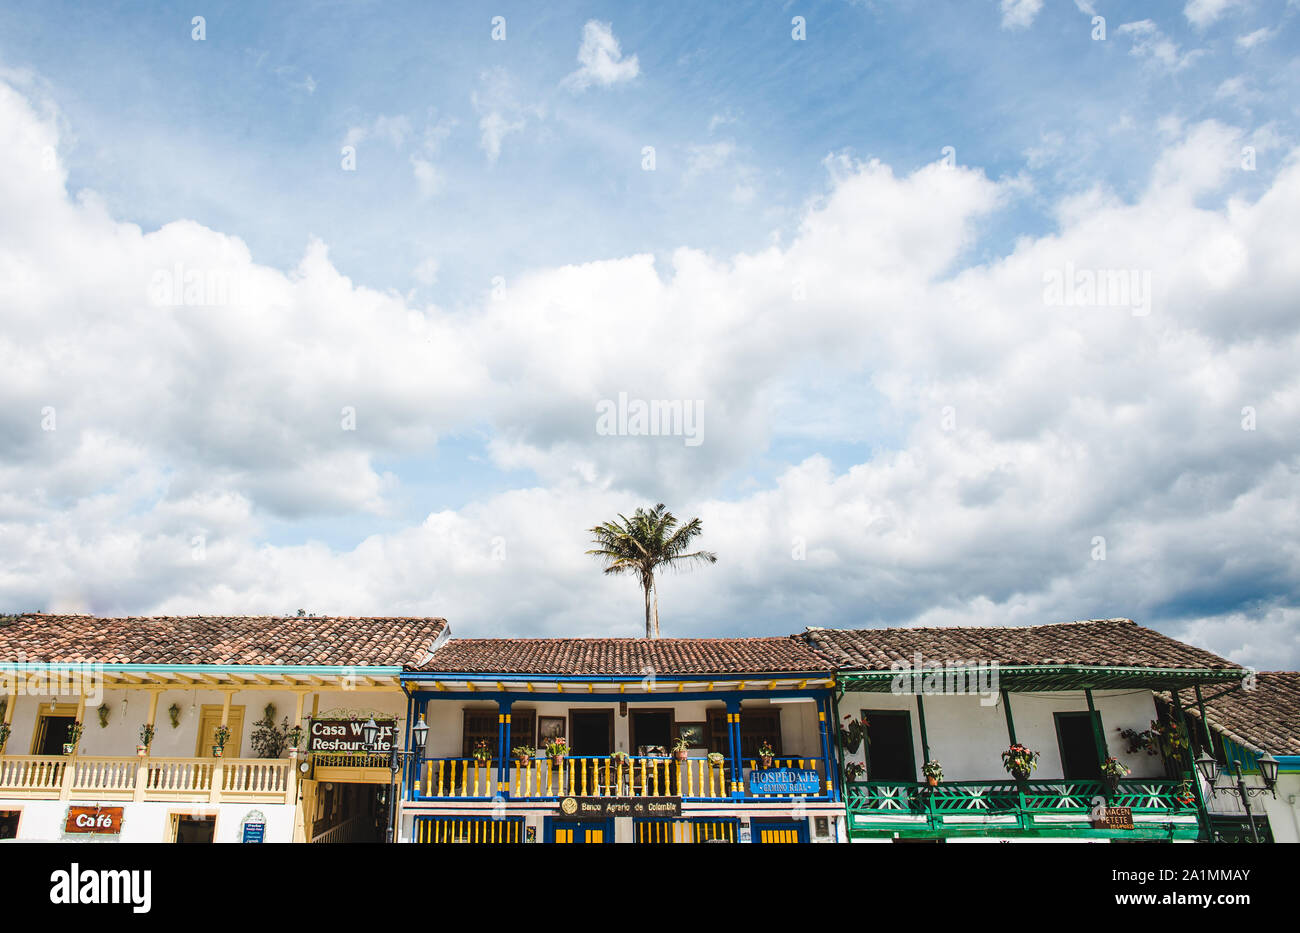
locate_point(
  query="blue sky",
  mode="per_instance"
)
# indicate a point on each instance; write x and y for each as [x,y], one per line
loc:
[481,162]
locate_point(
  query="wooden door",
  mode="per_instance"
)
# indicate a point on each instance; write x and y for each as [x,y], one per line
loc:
[209,719]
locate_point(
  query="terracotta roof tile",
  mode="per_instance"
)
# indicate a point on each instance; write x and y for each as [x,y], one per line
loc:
[1265,718]
[289,640]
[1099,642]
[626,656]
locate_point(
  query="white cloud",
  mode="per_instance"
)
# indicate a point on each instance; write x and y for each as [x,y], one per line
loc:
[601,59]
[1069,422]
[1202,13]
[1019,14]
[1151,43]
[1252,39]
[427,177]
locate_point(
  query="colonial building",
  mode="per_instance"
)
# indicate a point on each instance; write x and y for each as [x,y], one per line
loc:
[1074,699]
[219,698]
[339,730]
[669,740]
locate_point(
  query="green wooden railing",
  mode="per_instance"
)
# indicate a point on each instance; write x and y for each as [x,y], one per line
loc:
[888,800]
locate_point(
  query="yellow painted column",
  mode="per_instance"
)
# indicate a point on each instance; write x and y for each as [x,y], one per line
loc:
[70,767]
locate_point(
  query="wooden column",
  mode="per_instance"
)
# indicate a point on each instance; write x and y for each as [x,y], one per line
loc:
[70,767]
[1098,737]
[920,715]
[1011,723]
[218,768]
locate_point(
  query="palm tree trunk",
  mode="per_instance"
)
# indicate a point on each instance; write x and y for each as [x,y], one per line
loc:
[656,588]
[645,585]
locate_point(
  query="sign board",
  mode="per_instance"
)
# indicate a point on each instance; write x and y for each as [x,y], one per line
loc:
[344,736]
[254,827]
[579,808]
[783,782]
[1116,818]
[94,820]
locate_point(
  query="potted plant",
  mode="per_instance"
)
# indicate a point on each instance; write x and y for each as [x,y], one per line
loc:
[656,751]
[174,714]
[933,772]
[482,752]
[220,736]
[717,759]
[618,761]
[4,735]
[766,752]
[854,770]
[523,754]
[681,749]
[103,711]
[146,739]
[74,736]
[1019,762]
[852,735]
[1111,772]
[557,749]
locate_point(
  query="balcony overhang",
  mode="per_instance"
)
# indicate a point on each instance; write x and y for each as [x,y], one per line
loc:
[1055,677]
[211,676]
[614,688]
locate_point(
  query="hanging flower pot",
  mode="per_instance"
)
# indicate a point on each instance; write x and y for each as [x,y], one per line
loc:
[69,748]
[141,750]
[766,752]
[217,751]
[933,772]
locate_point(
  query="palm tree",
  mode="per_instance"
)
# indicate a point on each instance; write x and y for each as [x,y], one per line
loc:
[644,542]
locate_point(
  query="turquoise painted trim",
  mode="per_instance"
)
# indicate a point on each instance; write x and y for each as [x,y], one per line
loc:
[1288,764]
[1154,672]
[342,669]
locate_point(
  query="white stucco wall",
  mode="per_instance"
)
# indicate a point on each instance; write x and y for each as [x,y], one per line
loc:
[968,738]
[128,710]
[800,733]
[44,820]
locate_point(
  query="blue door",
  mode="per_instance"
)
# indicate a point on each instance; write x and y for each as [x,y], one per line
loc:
[779,831]
[579,831]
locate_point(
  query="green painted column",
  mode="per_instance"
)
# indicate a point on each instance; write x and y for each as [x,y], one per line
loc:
[920,715]
[1011,723]
[1098,736]
[1202,810]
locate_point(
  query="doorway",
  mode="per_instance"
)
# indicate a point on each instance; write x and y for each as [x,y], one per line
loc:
[193,829]
[1078,746]
[209,719]
[779,831]
[591,732]
[9,823]
[52,734]
[579,831]
[651,727]
[890,753]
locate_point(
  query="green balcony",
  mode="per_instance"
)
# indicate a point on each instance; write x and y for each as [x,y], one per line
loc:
[1050,808]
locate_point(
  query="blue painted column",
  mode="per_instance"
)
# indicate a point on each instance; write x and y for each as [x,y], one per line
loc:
[503,746]
[832,772]
[733,730]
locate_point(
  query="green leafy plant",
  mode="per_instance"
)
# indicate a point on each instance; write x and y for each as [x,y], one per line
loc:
[4,734]
[557,747]
[851,735]
[932,769]
[854,770]
[104,710]
[1113,767]
[174,714]
[293,738]
[523,752]
[1019,761]
[221,735]
[716,758]
[146,734]
[75,729]
[765,749]
[482,751]
[268,739]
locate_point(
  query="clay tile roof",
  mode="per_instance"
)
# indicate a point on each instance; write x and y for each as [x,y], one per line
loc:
[626,656]
[283,640]
[1265,718]
[1099,642]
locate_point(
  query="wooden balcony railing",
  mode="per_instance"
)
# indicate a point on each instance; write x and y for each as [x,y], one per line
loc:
[242,780]
[885,803]
[588,776]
